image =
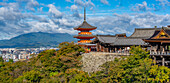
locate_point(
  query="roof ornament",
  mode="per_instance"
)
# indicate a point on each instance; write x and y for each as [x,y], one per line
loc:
[84,13]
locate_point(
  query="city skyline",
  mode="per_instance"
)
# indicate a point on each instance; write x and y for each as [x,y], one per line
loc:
[61,16]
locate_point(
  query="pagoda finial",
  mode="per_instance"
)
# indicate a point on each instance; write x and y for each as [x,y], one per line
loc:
[84,13]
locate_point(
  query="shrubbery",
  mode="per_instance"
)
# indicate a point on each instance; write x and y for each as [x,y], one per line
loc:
[64,66]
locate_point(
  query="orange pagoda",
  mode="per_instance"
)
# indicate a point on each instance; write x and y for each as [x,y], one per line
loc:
[85,35]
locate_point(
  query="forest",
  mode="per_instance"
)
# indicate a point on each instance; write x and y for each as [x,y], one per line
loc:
[64,66]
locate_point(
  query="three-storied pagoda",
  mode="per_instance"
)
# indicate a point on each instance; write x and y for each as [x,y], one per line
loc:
[85,35]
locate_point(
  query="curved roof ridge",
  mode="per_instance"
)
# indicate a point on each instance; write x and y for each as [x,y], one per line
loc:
[143,28]
[143,32]
[102,39]
[107,39]
[106,35]
[85,25]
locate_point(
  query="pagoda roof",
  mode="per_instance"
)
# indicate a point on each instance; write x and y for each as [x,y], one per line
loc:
[85,25]
[84,36]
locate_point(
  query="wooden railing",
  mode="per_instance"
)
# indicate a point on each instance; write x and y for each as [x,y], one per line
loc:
[123,51]
[152,52]
[85,33]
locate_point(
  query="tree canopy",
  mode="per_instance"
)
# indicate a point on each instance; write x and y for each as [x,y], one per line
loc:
[65,65]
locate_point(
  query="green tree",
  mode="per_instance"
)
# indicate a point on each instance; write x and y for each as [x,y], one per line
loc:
[11,60]
[69,56]
[159,74]
[1,59]
[1,62]
[135,68]
[75,76]
[64,66]
[32,76]
[63,44]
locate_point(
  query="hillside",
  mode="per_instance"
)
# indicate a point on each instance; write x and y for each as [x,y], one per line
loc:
[66,66]
[36,39]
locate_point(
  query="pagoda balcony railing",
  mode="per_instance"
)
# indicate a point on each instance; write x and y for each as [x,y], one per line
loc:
[152,52]
[85,33]
[84,41]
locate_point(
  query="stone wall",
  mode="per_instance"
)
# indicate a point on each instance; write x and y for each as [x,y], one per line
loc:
[93,60]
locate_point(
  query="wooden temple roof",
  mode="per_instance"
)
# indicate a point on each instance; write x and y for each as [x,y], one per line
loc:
[128,42]
[162,36]
[167,30]
[144,32]
[119,41]
[106,38]
[137,38]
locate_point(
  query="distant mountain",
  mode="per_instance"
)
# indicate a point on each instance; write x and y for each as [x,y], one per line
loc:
[36,39]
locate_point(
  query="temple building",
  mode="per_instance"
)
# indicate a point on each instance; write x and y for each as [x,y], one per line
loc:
[160,46]
[85,35]
[155,40]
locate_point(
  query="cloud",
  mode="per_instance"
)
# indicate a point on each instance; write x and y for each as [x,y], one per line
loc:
[32,4]
[54,12]
[104,2]
[15,20]
[84,3]
[125,23]
[140,7]
[89,4]
[163,2]
[155,7]
[73,7]
[68,0]
[77,14]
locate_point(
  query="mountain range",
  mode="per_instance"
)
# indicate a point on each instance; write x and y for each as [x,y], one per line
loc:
[36,39]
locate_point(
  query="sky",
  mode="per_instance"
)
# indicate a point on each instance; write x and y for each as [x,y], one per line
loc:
[61,16]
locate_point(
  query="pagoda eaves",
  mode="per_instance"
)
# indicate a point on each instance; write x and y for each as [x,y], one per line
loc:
[84,36]
[85,26]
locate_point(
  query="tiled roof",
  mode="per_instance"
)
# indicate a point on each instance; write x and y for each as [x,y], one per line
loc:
[120,41]
[144,32]
[167,30]
[128,42]
[155,33]
[107,39]
[135,39]
[85,25]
